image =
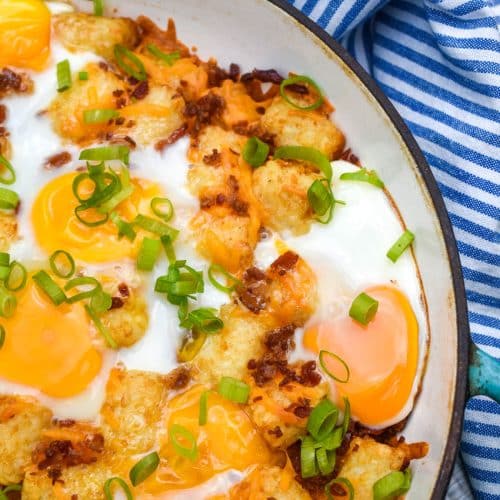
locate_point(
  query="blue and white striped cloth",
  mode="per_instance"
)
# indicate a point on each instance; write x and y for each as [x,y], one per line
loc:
[439,63]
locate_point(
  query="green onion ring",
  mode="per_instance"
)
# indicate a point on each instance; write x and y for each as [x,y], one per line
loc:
[155,226]
[311,155]
[203,320]
[98,7]
[49,287]
[168,58]
[326,460]
[148,254]
[6,164]
[363,308]
[63,75]
[9,199]
[216,268]
[392,485]
[255,152]
[298,80]
[106,153]
[233,390]
[347,417]
[167,214]
[175,433]
[101,328]
[124,228]
[203,414]
[83,76]
[99,222]
[8,303]
[9,489]
[191,346]
[133,67]
[403,242]
[108,493]
[58,268]
[100,302]
[2,336]
[166,241]
[308,464]
[322,355]
[82,281]
[344,482]
[19,283]
[322,419]
[93,116]
[144,468]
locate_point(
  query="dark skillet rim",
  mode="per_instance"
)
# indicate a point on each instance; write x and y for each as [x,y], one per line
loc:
[455,428]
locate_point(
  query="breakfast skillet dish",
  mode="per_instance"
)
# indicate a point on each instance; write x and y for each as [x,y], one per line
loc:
[204,293]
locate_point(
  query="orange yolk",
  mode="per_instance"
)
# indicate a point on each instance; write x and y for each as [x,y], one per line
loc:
[382,357]
[24,33]
[56,226]
[48,347]
[227,441]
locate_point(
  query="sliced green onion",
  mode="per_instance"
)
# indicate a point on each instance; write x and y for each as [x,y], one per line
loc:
[9,489]
[320,198]
[167,213]
[148,254]
[203,320]
[8,303]
[11,178]
[216,268]
[4,265]
[155,226]
[2,336]
[300,79]
[17,277]
[8,199]
[191,346]
[101,328]
[130,63]
[116,199]
[363,308]
[80,209]
[168,58]
[342,481]
[82,281]
[49,287]
[363,175]
[177,433]
[311,155]
[403,242]
[233,389]
[255,152]
[166,241]
[326,460]
[322,419]
[308,465]
[63,76]
[99,115]
[83,76]
[98,7]
[109,494]
[100,302]
[106,153]
[332,441]
[144,468]
[62,264]
[124,228]
[322,355]
[203,415]
[392,485]
[347,417]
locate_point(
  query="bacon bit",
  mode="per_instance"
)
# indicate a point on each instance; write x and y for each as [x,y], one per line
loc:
[121,102]
[308,374]
[302,408]
[234,72]
[349,156]
[214,159]
[254,90]
[120,120]
[118,92]
[3,113]
[264,233]
[173,137]
[123,140]
[165,40]
[239,206]
[242,128]
[179,378]
[215,74]
[57,161]
[103,66]
[256,399]
[276,431]
[284,263]
[54,474]
[260,109]
[252,364]
[141,91]
[130,123]
[123,289]
[64,423]
[204,110]
[116,303]
[263,75]
[253,294]
[14,83]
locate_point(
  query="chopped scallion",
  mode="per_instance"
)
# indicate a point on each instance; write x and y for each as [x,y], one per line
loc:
[144,468]
[203,414]
[363,175]
[301,80]
[155,226]
[233,389]
[100,302]
[83,76]
[108,492]
[62,264]
[148,254]
[168,58]
[101,328]
[308,465]
[403,242]
[322,355]
[2,337]
[6,165]
[106,153]
[344,483]
[83,281]
[233,281]
[8,303]
[168,209]
[255,152]
[130,63]
[203,320]
[8,199]
[124,228]
[311,155]
[63,76]
[322,419]
[17,277]
[363,308]
[91,116]
[392,485]
[98,7]
[183,441]
[49,287]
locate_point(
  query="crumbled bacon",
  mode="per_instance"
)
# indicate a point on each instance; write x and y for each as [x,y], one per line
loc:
[123,140]
[123,289]
[116,303]
[276,431]
[263,75]
[254,292]
[179,378]
[204,110]
[58,160]
[213,159]
[3,113]
[284,263]
[165,40]
[173,137]
[349,156]
[141,91]
[239,206]
[11,82]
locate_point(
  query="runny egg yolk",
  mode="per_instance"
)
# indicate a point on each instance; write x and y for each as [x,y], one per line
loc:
[227,441]
[24,33]
[57,227]
[382,356]
[48,347]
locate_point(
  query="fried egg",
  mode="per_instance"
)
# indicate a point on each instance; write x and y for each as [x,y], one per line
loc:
[386,357]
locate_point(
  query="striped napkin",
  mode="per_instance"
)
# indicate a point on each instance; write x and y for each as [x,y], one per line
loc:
[439,63]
